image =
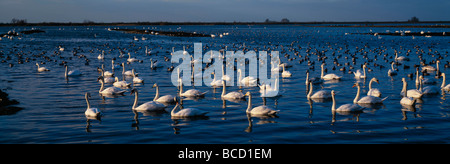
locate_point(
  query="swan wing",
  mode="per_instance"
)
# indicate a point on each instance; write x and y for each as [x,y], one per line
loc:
[370,100]
[189,112]
[166,99]
[331,76]
[151,106]
[374,92]
[92,112]
[350,108]
[322,94]
[263,110]
[234,95]
[407,101]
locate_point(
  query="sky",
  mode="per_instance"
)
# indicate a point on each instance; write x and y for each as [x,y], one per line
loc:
[35,11]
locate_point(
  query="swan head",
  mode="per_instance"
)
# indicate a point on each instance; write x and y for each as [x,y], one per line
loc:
[376,80]
[133,91]
[155,85]
[332,93]
[355,85]
[247,94]
[100,78]
[88,95]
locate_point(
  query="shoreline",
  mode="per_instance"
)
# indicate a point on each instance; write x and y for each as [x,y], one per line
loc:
[404,24]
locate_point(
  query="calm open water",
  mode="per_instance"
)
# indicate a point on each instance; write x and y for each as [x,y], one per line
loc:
[53,108]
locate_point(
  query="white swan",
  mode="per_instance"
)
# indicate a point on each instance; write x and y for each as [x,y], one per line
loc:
[443,86]
[91,112]
[72,73]
[131,59]
[107,79]
[406,100]
[163,99]
[41,69]
[109,90]
[392,71]
[345,107]
[431,68]
[101,56]
[366,99]
[322,94]
[400,58]
[432,90]
[259,110]
[191,92]
[126,73]
[148,106]
[107,73]
[285,73]
[414,93]
[186,112]
[360,75]
[135,78]
[267,90]
[121,84]
[373,91]
[216,82]
[313,80]
[232,95]
[330,76]
[247,81]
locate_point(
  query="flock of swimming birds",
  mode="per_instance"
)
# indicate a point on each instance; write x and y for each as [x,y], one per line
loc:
[423,70]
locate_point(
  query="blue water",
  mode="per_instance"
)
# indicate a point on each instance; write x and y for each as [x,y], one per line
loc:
[53,108]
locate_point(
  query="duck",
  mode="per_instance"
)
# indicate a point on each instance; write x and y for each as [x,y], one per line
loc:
[262,110]
[148,106]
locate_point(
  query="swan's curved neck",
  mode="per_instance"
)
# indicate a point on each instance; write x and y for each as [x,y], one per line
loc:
[307,78]
[65,74]
[364,69]
[123,68]
[101,87]
[249,107]
[333,107]
[443,80]
[405,85]
[321,74]
[87,101]
[392,65]
[310,90]
[157,93]
[174,109]
[357,94]
[136,95]
[224,90]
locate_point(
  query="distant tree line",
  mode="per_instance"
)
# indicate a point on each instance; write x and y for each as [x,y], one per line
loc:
[414,19]
[18,21]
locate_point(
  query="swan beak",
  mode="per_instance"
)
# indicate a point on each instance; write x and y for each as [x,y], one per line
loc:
[354,85]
